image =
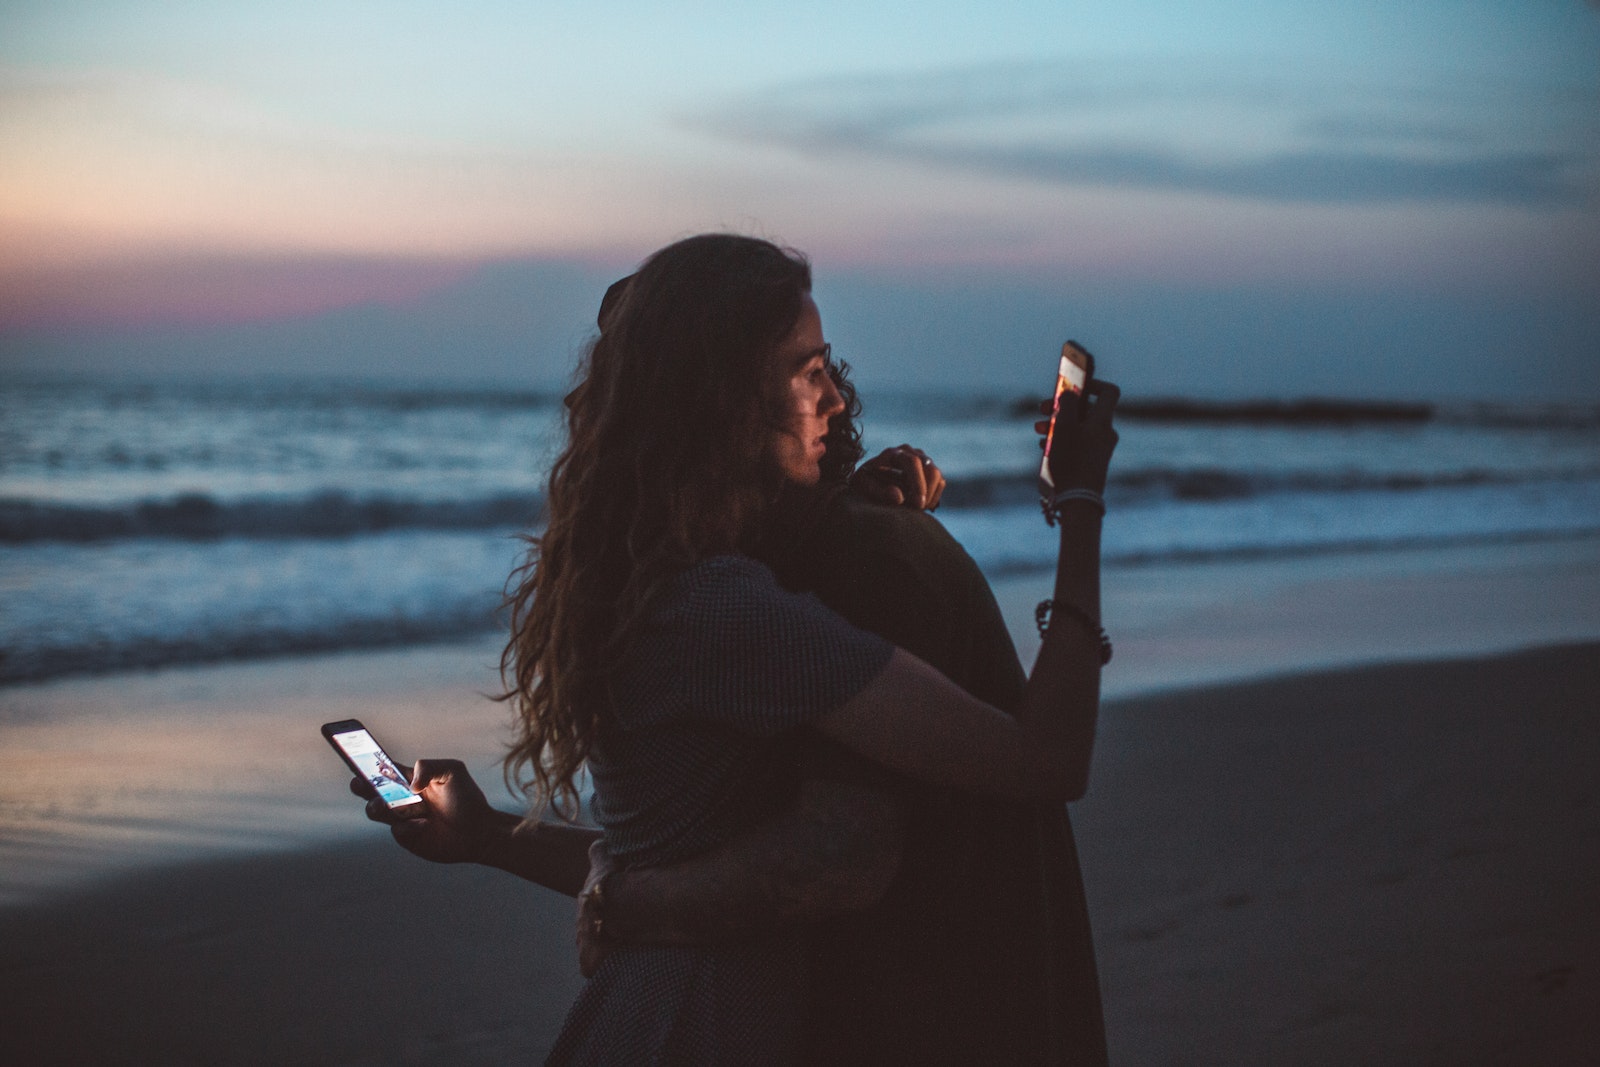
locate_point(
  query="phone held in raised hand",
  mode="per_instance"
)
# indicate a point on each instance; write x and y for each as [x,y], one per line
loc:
[367,758]
[1072,384]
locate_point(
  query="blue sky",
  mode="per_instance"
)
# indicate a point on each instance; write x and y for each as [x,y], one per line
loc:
[1235,198]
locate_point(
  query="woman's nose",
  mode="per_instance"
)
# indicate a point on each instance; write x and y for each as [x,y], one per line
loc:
[832,402]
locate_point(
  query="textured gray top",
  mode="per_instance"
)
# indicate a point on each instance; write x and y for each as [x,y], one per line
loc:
[725,665]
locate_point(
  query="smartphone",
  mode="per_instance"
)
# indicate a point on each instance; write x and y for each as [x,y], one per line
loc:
[1072,384]
[368,759]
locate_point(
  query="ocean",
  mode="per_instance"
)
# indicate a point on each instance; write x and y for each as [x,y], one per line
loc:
[148,525]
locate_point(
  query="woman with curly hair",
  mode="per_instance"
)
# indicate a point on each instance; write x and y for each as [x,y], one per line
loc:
[650,647]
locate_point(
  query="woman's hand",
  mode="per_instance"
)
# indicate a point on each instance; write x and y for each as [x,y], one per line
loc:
[900,477]
[1082,450]
[594,941]
[457,824]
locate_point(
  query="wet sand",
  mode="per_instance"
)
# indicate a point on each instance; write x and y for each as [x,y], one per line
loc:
[1393,864]
[104,775]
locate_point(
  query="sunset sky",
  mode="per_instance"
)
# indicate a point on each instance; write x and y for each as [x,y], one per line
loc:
[1276,197]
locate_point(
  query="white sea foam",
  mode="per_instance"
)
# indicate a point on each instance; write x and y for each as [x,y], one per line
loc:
[143,526]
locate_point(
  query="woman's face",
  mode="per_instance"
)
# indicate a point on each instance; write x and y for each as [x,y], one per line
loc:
[804,393]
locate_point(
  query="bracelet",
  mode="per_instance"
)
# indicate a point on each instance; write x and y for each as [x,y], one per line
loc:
[1042,616]
[1052,507]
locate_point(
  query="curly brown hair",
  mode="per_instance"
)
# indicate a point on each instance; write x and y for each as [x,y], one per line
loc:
[664,465]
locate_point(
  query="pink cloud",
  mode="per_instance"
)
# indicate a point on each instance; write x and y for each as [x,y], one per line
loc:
[211,289]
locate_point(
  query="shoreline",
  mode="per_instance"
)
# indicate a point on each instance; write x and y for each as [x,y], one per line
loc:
[1178,626]
[1400,871]
[1291,566]
[103,775]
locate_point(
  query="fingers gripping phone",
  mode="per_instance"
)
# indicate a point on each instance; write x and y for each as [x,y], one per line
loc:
[1072,385]
[368,759]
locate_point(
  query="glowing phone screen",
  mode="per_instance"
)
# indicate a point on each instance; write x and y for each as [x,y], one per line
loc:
[1070,380]
[376,766]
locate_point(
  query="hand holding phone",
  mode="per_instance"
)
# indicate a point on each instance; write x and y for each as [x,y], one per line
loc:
[454,823]
[361,751]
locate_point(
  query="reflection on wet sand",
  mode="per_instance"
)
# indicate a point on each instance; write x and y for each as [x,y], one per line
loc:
[103,774]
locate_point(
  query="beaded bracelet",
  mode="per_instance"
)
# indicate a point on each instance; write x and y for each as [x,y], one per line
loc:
[1052,507]
[1042,616]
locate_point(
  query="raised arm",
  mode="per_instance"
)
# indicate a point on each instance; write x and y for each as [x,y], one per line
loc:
[914,720]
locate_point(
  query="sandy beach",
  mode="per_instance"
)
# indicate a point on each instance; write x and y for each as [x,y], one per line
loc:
[1348,863]
[1387,865]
